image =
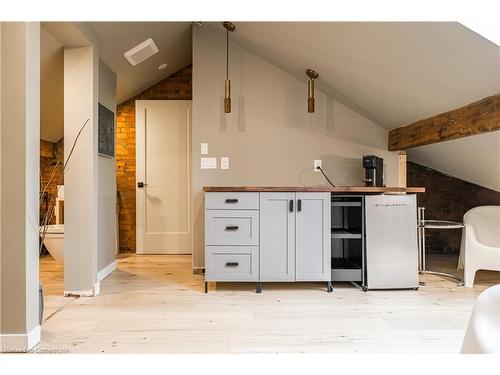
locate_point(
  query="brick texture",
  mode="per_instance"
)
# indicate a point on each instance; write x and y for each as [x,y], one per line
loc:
[50,155]
[446,198]
[175,87]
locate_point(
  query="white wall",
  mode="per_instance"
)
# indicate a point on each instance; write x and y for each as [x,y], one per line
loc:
[52,87]
[106,178]
[80,180]
[19,183]
[1,179]
[269,136]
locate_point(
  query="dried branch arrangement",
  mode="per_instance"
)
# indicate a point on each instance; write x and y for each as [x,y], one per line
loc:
[58,170]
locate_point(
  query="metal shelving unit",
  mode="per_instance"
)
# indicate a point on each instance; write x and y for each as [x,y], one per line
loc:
[348,245]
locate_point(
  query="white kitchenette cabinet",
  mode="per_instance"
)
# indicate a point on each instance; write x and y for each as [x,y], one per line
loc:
[313,237]
[293,237]
[277,241]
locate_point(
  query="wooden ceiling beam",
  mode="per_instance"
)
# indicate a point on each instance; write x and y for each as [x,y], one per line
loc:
[479,117]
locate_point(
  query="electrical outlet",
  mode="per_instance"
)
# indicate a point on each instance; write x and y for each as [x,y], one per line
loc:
[208,163]
[224,162]
[317,165]
[204,149]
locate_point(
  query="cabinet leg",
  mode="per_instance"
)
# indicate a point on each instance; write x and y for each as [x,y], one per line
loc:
[329,287]
[258,288]
[206,287]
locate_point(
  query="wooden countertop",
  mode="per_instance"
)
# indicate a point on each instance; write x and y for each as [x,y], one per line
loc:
[338,189]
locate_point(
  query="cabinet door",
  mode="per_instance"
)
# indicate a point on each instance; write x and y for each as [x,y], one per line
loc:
[277,236]
[313,237]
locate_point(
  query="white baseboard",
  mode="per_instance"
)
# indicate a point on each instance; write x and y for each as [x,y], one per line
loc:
[102,274]
[84,293]
[96,290]
[20,342]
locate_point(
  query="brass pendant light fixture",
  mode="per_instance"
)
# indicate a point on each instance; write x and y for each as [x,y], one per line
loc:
[310,89]
[227,83]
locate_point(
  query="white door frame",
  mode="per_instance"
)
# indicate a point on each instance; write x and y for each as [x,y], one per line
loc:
[140,108]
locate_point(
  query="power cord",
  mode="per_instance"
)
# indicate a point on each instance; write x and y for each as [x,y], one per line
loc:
[321,170]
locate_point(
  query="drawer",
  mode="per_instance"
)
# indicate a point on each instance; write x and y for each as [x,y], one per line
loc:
[231,201]
[231,263]
[232,227]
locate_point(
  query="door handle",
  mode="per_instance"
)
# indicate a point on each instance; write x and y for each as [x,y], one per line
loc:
[232,227]
[141,184]
[291,205]
[232,264]
[299,205]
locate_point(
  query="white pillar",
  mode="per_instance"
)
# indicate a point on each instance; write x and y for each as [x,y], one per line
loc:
[80,180]
[19,184]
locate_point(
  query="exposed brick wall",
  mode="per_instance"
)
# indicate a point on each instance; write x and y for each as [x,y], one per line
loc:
[446,198]
[175,87]
[50,155]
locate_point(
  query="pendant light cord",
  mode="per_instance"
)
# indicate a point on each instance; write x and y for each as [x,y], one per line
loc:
[227,54]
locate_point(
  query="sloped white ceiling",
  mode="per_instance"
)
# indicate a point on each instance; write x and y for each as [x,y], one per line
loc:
[393,72]
[172,38]
[475,159]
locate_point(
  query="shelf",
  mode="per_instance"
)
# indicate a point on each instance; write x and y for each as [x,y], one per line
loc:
[346,275]
[345,270]
[342,233]
[343,263]
[345,204]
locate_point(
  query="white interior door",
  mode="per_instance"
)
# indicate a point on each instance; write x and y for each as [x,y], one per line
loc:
[163,160]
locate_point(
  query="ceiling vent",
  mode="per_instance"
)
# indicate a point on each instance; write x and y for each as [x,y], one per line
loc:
[141,52]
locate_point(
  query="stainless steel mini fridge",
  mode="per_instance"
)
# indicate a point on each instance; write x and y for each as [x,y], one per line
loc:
[391,242]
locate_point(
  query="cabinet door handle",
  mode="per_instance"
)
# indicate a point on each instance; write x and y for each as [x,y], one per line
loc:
[232,264]
[291,205]
[299,205]
[232,200]
[232,227]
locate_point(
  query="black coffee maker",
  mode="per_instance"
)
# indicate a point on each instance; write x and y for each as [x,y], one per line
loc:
[374,170]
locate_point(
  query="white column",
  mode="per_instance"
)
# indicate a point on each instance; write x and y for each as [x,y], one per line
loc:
[80,180]
[19,184]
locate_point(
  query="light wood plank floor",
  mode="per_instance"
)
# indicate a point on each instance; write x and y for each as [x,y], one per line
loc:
[154,304]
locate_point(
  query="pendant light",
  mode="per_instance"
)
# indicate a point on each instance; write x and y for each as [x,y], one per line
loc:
[310,89]
[227,83]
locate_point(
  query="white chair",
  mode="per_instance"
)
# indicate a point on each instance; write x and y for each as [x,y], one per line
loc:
[483,331]
[480,242]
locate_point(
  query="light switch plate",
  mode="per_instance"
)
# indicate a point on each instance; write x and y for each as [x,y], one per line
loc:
[224,162]
[208,163]
[204,149]
[317,163]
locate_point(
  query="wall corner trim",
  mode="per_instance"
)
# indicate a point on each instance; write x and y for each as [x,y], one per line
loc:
[20,342]
[94,292]
[106,271]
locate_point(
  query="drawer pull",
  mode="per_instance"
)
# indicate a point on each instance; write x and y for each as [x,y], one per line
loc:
[232,200]
[232,227]
[232,264]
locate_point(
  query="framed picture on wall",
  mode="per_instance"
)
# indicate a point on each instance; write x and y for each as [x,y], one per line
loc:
[106,131]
